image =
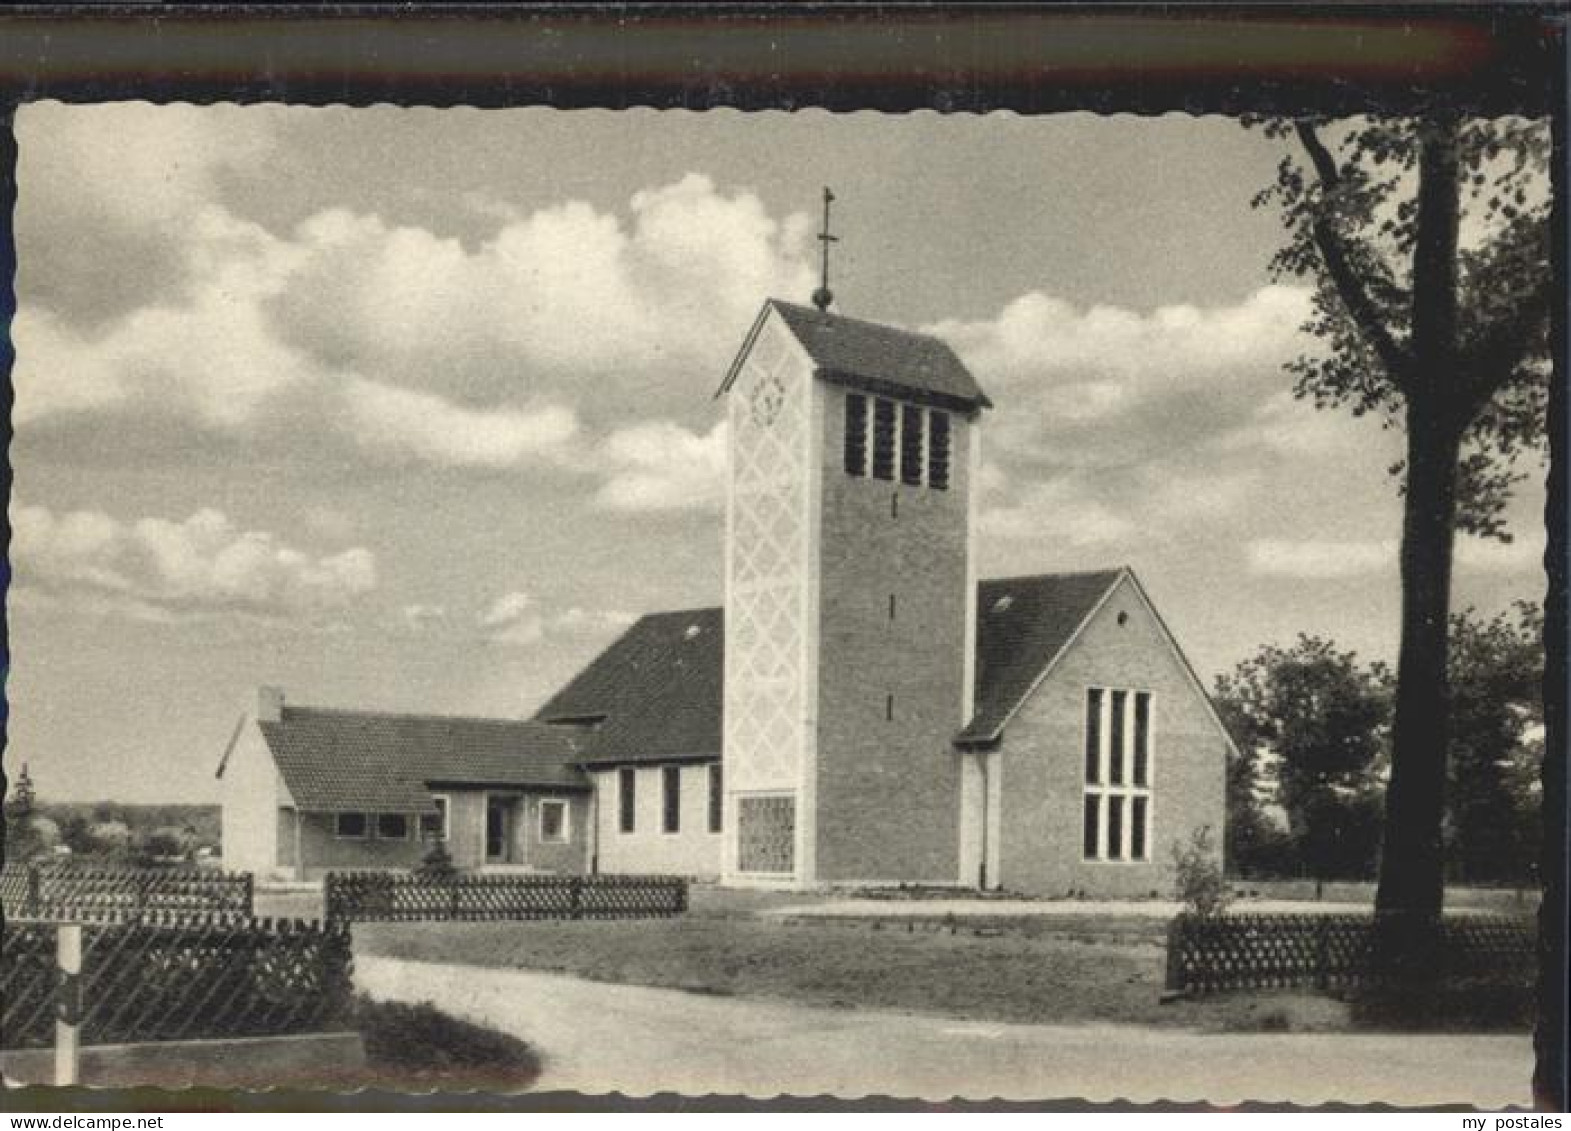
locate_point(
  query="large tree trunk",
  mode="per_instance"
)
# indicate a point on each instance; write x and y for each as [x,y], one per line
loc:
[1411,890]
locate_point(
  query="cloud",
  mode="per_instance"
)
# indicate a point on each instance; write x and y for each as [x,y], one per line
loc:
[155,569]
[660,466]
[1319,560]
[516,619]
[1060,512]
[1108,387]
[432,429]
[1524,554]
[419,618]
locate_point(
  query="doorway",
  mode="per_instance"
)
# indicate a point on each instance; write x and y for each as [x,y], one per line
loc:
[499,822]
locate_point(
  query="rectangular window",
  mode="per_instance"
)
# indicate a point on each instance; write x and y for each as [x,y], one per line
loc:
[1115,826]
[553,822]
[671,798]
[1094,735]
[938,450]
[392,826]
[433,826]
[1142,736]
[766,834]
[889,708]
[1118,787]
[350,826]
[627,798]
[716,798]
[891,606]
[856,435]
[911,445]
[883,439]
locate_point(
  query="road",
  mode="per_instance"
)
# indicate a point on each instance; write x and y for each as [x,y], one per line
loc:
[598,1037]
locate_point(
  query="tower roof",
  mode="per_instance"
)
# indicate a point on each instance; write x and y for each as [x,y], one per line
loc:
[869,355]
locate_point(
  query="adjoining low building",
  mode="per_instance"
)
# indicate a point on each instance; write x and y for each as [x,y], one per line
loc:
[307,790]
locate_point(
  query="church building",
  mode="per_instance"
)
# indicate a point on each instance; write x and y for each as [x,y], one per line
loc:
[861,710]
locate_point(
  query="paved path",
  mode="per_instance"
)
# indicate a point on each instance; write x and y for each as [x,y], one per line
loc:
[1011,908]
[597,1037]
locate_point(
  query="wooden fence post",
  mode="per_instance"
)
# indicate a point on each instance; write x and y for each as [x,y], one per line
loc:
[250,895]
[68,1003]
[575,896]
[34,889]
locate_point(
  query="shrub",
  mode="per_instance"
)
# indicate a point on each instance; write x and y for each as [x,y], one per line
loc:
[437,864]
[419,1045]
[1199,881]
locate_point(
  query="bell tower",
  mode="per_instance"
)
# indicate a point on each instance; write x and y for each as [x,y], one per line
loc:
[850,599]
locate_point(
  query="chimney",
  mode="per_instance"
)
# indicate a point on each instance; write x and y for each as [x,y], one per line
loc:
[269,704]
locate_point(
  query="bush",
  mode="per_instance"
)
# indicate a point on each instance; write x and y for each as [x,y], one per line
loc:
[419,1045]
[1199,880]
[437,864]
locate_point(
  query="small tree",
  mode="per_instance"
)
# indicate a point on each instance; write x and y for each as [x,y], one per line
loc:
[437,863]
[1198,879]
[22,840]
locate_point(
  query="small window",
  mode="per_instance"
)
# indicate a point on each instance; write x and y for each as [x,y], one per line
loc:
[938,450]
[1092,836]
[891,606]
[392,826]
[627,798]
[716,798]
[1115,826]
[889,708]
[553,822]
[671,799]
[911,445]
[1094,735]
[1137,828]
[1142,737]
[856,435]
[433,826]
[350,826]
[883,439]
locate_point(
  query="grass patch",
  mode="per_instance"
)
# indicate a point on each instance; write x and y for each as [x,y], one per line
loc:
[418,1048]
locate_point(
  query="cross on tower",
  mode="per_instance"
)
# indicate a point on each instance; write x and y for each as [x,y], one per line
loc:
[822,297]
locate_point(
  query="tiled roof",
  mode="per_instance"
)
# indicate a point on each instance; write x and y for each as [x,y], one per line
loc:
[655,694]
[1022,623]
[657,690]
[882,358]
[360,760]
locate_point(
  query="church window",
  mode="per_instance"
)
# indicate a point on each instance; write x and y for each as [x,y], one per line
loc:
[766,834]
[938,450]
[889,708]
[626,798]
[856,435]
[883,439]
[671,799]
[891,606]
[1117,814]
[911,445]
[716,798]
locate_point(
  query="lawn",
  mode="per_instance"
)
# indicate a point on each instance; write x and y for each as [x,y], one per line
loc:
[1066,970]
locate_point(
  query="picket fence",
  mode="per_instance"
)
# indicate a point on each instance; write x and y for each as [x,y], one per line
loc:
[1333,952]
[360,896]
[65,890]
[172,977]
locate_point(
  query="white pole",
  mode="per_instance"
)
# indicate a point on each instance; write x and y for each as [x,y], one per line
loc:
[68,1006]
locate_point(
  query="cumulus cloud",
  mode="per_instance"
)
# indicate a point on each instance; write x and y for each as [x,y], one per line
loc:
[428,427]
[1320,559]
[156,569]
[516,618]
[660,466]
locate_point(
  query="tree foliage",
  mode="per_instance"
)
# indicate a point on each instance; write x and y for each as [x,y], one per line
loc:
[1324,719]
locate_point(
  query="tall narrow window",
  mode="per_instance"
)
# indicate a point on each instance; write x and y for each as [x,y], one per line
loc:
[883,439]
[889,708]
[1118,774]
[856,434]
[1092,832]
[891,606]
[716,798]
[1094,735]
[938,450]
[1115,742]
[911,445]
[627,798]
[1142,737]
[671,799]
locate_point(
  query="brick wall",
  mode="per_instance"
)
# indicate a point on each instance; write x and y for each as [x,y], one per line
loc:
[888,788]
[1043,761]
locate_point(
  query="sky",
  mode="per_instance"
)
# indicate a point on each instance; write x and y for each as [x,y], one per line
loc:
[414,409]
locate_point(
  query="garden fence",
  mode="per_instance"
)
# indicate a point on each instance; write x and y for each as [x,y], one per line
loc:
[170,977]
[398,896]
[71,891]
[1259,952]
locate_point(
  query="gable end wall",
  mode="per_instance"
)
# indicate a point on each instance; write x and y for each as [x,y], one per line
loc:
[1043,761]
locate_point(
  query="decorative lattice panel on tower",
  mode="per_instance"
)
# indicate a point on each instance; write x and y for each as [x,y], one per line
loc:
[766,834]
[764,681]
